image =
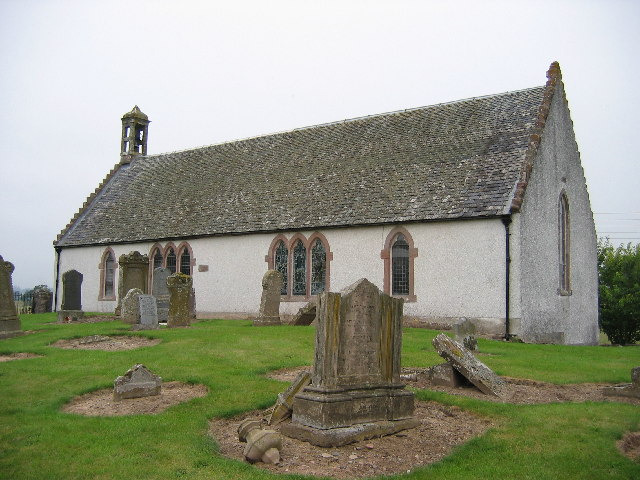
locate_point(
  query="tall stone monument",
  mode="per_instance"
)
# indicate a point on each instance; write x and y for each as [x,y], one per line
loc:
[355,391]
[270,302]
[9,322]
[41,302]
[161,292]
[134,271]
[179,286]
[71,307]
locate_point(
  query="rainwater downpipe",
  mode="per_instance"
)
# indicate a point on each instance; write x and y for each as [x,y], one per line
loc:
[55,300]
[507,262]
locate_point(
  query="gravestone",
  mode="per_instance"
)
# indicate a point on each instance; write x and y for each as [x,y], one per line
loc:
[161,292]
[355,391]
[130,310]
[445,375]
[306,315]
[71,307]
[9,321]
[270,302]
[468,365]
[179,286]
[465,333]
[148,313]
[626,389]
[42,298]
[284,405]
[133,273]
[137,382]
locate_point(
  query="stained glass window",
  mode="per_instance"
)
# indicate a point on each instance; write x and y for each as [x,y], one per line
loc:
[280,263]
[318,268]
[299,269]
[185,262]
[109,275]
[171,260]
[157,259]
[400,266]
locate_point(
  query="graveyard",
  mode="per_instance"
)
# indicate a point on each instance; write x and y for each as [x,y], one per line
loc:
[555,423]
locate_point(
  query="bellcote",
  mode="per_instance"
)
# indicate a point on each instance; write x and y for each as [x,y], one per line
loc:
[135,128]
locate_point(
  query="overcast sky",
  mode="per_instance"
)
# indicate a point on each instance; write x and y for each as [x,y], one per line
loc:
[212,71]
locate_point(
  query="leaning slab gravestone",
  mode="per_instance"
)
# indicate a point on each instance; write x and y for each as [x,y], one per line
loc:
[161,292]
[9,322]
[270,302]
[137,382]
[148,313]
[134,268]
[355,391]
[71,307]
[468,365]
[130,310]
[179,286]
[306,315]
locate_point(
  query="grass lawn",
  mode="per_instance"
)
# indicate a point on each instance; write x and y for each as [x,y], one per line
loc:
[38,441]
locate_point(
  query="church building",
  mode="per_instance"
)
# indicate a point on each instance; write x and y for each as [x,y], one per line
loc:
[472,209]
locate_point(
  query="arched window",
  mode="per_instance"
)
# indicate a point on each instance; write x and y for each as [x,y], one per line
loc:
[400,266]
[185,262]
[108,276]
[281,263]
[399,255]
[299,269]
[157,259]
[318,267]
[171,260]
[564,246]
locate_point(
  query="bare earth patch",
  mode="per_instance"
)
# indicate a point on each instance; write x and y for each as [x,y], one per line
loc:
[89,319]
[101,403]
[17,356]
[106,343]
[630,445]
[441,429]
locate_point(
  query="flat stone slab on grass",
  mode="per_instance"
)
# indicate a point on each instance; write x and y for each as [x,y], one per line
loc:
[109,344]
[468,365]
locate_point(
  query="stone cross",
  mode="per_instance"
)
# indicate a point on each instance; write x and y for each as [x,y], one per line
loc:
[161,292]
[133,273]
[71,306]
[179,286]
[355,391]
[9,322]
[270,302]
[130,310]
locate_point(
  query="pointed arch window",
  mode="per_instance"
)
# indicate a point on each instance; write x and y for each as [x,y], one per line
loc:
[185,262]
[280,263]
[399,256]
[318,267]
[108,268]
[564,246]
[299,269]
[157,259]
[400,266]
[171,260]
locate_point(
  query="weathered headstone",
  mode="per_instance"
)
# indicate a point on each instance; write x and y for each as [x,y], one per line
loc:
[9,321]
[626,389]
[133,273]
[179,286]
[284,405]
[355,391]
[41,302]
[468,365]
[465,333]
[130,310]
[270,302]
[71,307]
[148,313]
[306,315]
[161,292]
[137,382]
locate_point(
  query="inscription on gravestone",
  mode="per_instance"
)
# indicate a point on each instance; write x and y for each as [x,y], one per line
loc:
[148,313]
[9,321]
[71,307]
[179,290]
[130,312]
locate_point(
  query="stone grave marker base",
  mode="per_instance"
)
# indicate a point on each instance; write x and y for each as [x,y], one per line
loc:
[266,321]
[70,315]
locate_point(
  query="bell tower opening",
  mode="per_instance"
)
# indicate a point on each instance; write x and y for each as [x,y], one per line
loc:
[135,131]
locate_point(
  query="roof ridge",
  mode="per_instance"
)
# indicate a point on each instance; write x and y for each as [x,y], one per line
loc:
[554,75]
[339,122]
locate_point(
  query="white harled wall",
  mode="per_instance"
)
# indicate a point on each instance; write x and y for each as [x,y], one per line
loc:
[459,270]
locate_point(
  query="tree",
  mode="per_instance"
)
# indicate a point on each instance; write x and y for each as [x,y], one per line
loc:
[619,278]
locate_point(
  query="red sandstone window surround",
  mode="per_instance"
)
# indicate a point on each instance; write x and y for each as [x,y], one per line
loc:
[398,255]
[177,259]
[108,266]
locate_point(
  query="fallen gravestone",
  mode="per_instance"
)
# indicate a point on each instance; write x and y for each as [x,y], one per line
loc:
[71,307]
[355,391]
[445,375]
[130,308]
[9,321]
[179,286]
[148,313]
[137,382]
[284,405]
[626,389]
[262,445]
[468,365]
[306,315]
[270,301]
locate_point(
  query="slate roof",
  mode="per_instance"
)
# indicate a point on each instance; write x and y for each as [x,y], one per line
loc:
[462,159]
